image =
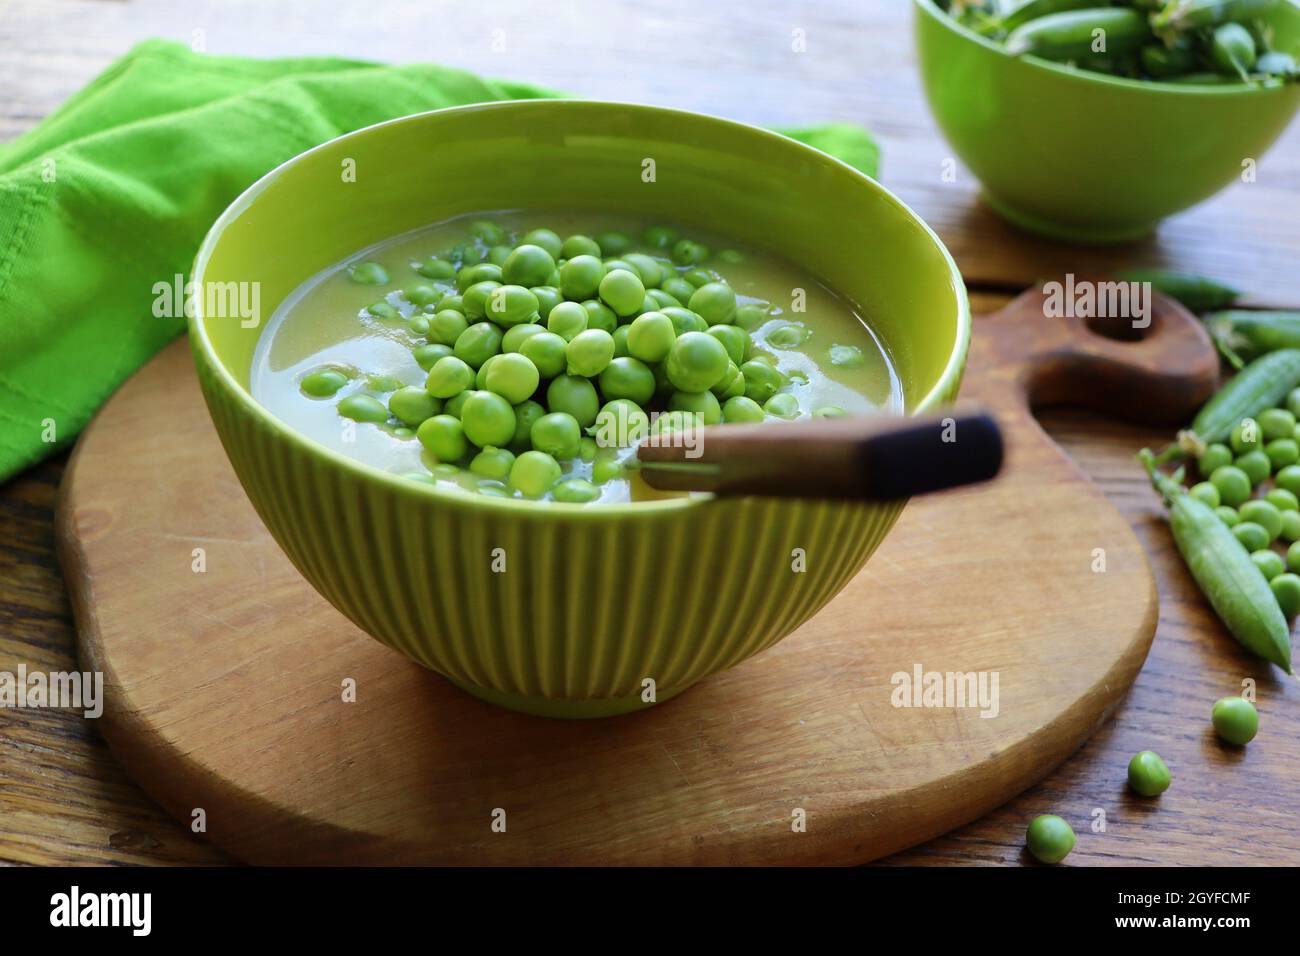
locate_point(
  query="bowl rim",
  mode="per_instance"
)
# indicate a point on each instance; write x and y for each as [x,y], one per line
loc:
[1089,77]
[944,385]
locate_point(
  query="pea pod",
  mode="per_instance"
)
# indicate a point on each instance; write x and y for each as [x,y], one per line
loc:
[1196,292]
[1223,570]
[1028,10]
[1239,332]
[1233,50]
[1182,15]
[1261,385]
[1072,35]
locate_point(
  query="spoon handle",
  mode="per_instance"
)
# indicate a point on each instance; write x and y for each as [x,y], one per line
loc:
[864,458]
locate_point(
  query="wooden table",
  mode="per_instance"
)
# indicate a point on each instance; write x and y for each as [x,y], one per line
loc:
[63,798]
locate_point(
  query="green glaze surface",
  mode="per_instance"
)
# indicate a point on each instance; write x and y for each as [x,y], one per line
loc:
[566,609]
[1087,157]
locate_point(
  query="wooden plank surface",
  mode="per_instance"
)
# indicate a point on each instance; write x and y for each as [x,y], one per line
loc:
[65,800]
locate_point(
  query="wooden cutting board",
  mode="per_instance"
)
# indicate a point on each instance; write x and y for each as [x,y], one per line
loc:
[225,686]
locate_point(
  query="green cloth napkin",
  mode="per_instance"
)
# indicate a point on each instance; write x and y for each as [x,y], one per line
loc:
[114,191]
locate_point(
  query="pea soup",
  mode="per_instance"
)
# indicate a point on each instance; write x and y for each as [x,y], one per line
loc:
[526,354]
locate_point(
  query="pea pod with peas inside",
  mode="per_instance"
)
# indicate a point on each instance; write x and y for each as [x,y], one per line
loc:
[1241,334]
[1261,385]
[1076,33]
[1224,571]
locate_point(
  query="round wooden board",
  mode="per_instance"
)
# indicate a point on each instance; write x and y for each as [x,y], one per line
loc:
[225,686]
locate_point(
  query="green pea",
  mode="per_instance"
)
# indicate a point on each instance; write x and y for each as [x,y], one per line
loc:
[419,325]
[383,310]
[613,243]
[512,376]
[762,381]
[454,303]
[1215,456]
[383,383]
[1264,514]
[478,343]
[452,406]
[589,353]
[1286,588]
[1288,479]
[514,336]
[492,463]
[450,376]
[600,316]
[548,297]
[622,291]
[753,314]
[1148,775]
[444,437]
[1293,403]
[684,320]
[526,415]
[650,337]
[471,276]
[741,409]
[466,254]
[580,245]
[587,447]
[435,268]
[566,320]
[1252,536]
[661,299]
[487,419]
[678,288]
[497,255]
[446,326]
[323,383]
[511,305]
[1049,839]
[1269,562]
[734,340]
[1233,484]
[529,265]
[575,491]
[369,273]
[1235,719]
[606,469]
[534,473]
[688,253]
[699,277]
[1293,558]
[620,423]
[1290,526]
[363,408]
[580,277]
[426,356]
[703,404]
[1282,452]
[1276,423]
[474,300]
[1204,491]
[789,336]
[714,302]
[413,405]
[1228,515]
[421,295]
[627,377]
[547,239]
[658,237]
[846,356]
[1283,500]
[695,362]
[574,395]
[731,384]
[782,405]
[547,351]
[558,434]
[620,341]
[1245,436]
[617,265]
[650,272]
[487,230]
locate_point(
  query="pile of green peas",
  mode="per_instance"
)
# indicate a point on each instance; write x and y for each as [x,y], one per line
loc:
[1206,42]
[1252,481]
[540,350]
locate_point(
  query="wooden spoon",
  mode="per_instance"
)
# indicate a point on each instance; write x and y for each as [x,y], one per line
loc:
[864,458]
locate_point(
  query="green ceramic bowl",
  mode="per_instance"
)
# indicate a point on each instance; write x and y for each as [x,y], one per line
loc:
[596,601]
[1087,157]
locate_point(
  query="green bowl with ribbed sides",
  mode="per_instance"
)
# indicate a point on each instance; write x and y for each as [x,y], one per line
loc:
[1087,157]
[596,601]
